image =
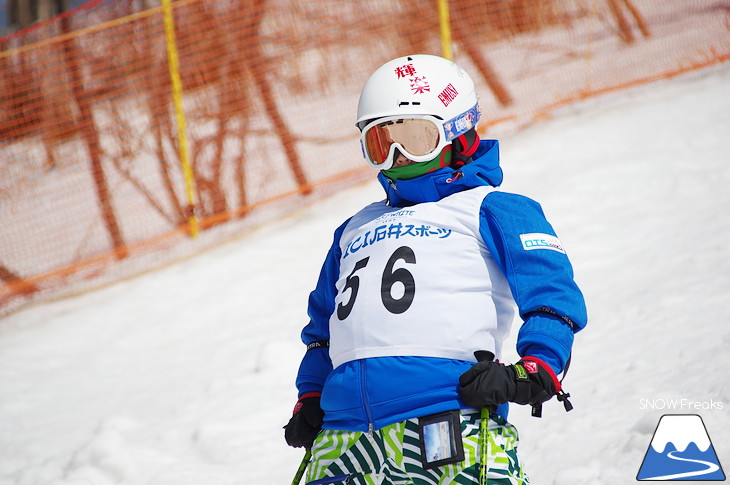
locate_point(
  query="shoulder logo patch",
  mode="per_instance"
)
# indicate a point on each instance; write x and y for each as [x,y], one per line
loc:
[537,240]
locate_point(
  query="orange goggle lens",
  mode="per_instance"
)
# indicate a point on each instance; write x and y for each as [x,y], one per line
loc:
[418,137]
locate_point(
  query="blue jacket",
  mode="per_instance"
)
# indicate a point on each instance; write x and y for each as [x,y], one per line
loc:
[372,393]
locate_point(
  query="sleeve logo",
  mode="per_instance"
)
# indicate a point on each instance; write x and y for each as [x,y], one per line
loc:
[538,240]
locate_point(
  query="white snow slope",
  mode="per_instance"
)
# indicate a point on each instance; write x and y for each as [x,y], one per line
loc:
[185,376]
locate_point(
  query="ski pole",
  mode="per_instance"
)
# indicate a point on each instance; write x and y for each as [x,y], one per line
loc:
[482,356]
[483,455]
[302,467]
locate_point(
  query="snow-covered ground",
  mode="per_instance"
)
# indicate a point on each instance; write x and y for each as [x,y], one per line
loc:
[185,376]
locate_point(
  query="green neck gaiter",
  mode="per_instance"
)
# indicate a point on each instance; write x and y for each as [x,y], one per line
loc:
[417,169]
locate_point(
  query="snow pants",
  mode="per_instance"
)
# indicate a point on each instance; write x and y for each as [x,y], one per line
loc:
[392,456]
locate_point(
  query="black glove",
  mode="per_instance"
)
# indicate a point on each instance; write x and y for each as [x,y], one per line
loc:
[489,383]
[305,422]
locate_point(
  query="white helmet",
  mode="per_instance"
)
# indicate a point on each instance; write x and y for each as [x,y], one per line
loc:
[420,87]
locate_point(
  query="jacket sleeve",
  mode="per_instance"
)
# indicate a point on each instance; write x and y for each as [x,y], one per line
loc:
[526,248]
[316,363]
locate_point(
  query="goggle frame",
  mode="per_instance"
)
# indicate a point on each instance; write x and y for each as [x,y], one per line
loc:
[388,162]
[448,131]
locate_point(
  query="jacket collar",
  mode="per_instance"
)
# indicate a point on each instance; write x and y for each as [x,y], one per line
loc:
[433,186]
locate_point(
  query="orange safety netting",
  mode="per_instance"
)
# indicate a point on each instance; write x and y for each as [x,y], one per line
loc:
[93,183]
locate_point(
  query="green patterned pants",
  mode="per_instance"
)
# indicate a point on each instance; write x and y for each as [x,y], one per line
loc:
[392,456]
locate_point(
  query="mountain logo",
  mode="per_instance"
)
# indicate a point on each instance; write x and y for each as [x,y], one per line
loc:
[681,450]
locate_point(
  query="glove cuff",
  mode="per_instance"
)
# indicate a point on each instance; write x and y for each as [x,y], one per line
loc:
[300,402]
[533,365]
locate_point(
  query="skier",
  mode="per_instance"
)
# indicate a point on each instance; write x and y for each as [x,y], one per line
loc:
[390,389]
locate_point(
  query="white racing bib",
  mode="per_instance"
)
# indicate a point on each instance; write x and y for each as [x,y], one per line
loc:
[419,281]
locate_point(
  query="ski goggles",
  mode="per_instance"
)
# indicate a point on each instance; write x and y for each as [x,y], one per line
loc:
[419,137]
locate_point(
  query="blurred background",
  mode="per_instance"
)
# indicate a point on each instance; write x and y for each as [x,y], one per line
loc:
[138,132]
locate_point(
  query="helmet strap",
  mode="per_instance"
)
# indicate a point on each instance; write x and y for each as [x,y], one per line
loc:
[464,147]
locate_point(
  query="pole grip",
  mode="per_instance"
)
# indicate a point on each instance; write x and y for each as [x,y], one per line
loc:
[484,355]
